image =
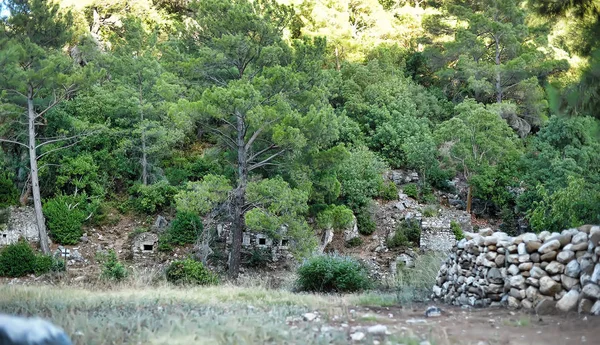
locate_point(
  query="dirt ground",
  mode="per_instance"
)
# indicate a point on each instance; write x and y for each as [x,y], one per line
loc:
[489,326]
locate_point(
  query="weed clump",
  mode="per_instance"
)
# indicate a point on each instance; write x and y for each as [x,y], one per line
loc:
[112,268]
[190,272]
[407,233]
[332,273]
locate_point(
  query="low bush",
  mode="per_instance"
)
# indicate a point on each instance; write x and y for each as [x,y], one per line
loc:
[9,194]
[185,228]
[430,211]
[365,223]
[190,272]
[17,260]
[65,214]
[112,268]
[332,273]
[407,233]
[258,258]
[457,230]
[151,198]
[355,242]
[411,190]
[164,243]
[389,191]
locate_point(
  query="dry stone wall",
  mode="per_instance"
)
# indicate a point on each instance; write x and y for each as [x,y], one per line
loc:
[546,272]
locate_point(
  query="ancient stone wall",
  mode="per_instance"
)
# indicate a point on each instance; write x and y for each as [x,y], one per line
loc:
[546,271]
[21,223]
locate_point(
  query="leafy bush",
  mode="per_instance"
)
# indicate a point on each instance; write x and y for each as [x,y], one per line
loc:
[336,217]
[332,273]
[185,228]
[164,243]
[190,272]
[17,260]
[258,258]
[389,191]
[112,268]
[457,230]
[151,198]
[9,194]
[411,190]
[407,233]
[430,211]
[366,224]
[65,215]
[355,242]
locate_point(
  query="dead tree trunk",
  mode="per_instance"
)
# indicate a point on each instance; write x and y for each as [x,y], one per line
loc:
[35,184]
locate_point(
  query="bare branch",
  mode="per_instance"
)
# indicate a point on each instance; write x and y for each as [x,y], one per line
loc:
[253,156]
[266,161]
[12,142]
[60,139]
[228,141]
[58,148]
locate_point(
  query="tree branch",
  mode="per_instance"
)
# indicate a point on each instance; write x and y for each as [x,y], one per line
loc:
[253,156]
[57,149]
[266,161]
[12,142]
[59,139]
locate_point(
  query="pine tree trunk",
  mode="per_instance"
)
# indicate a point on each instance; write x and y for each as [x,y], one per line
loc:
[498,77]
[469,199]
[35,185]
[239,222]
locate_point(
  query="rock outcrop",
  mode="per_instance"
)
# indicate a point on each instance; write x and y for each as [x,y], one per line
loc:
[547,271]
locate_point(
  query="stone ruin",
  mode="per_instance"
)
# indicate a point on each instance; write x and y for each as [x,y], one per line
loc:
[279,249]
[546,272]
[144,245]
[436,232]
[18,222]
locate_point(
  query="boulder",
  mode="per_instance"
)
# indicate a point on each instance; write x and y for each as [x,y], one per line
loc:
[513,303]
[555,268]
[572,269]
[546,306]
[529,237]
[526,266]
[591,291]
[537,272]
[542,236]
[585,306]
[524,258]
[495,288]
[513,270]
[568,283]
[565,256]
[595,309]
[517,282]
[549,287]
[579,247]
[568,302]
[533,246]
[580,237]
[548,256]
[516,293]
[500,260]
[562,239]
[535,257]
[526,304]
[489,240]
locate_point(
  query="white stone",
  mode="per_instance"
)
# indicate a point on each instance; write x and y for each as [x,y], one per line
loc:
[549,287]
[596,275]
[591,291]
[358,336]
[377,329]
[517,282]
[555,268]
[568,302]
[513,270]
[529,237]
[580,237]
[549,246]
[537,272]
[565,256]
[572,269]
[522,249]
[309,316]
[596,308]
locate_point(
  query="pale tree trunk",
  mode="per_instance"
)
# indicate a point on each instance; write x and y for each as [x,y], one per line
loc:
[144,154]
[35,185]
[239,201]
[469,199]
[498,77]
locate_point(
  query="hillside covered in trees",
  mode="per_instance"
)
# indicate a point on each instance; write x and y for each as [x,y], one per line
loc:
[281,116]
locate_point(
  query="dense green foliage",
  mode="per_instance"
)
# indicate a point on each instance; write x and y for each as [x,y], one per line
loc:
[408,233]
[332,273]
[185,228]
[190,272]
[112,268]
[282,116]
[17,260]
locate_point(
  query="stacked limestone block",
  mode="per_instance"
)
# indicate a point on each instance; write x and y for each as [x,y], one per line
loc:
[543,271]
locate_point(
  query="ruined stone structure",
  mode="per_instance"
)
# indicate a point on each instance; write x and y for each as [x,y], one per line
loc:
[144,245]
[20,222]
[252,240]
[436,232]
[546,271]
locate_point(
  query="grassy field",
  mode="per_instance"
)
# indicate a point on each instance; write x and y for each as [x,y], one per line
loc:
[168,315]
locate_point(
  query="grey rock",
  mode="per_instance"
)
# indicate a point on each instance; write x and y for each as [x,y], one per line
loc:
[535,257]
[555,268]
[377,329]
[517,282]
[585,306]
[513,303]
[532,282]
[579,247]
[30,331]
[531,293]
[580,237]
[548,256]
[533,246]
[595,309]
[516,293]
[357,336]
[537,272]
[595,235]
[494,276]
[76,255]
[546,306]
[309,316]
[568,302]
[565,256]
[513,270]
[568,283]
[572,269]
[524,258]
[521,249]
[563,239]
[591,291]
[549,287]
[526,304]
[596,274]
[500,260]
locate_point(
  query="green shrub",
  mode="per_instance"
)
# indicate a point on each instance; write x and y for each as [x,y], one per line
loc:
[411,190]
[332,273]
[355,242]
[258,258]
[9,194]
[164,243]
[185,228]
[389,191]
[457,230]
[58,265]
[190,272]
[364,221]
[65,215]
[407,233]
[151,198]
[4,215]
[430,211]
[112,268]
[336,217]
[17,260]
